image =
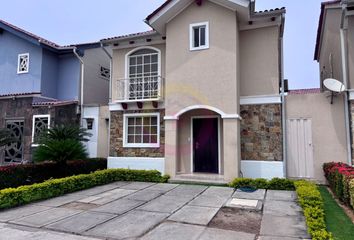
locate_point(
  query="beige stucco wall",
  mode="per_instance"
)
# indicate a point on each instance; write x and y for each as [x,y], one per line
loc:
[119,64]
[205,77]
[328,129]
[259,61]
[331,44]
[103,128]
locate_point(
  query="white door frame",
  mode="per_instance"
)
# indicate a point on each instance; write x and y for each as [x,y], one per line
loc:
[219,137]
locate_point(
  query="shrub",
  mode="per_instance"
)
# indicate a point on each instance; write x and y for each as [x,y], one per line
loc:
[275,183]
[25,174]
[351,192]
[311,201]
[339,176]
[60,151]
[12,197]
[62,143]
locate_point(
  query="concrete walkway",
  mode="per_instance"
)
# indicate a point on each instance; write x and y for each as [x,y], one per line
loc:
[135,210]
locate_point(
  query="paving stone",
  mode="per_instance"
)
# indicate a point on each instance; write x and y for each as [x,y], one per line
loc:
[281,195]
[119,206]
[174,231]
[277,238]
[14,232]
[163,187]
[259,194]
[194,215]
[281,208]
[46,217]
[289,226]
[209,201]
[144,195]
[165,204]
[214,233]
[246,204]
[109,196]
[80,206]
[20,212]
[137,185]
[81,222]
[219,191]
[89,199]
[187,190]
[100,189]
[130,225]
[58,201]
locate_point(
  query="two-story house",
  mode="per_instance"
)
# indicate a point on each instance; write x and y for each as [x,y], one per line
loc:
[43,84]
[199,96]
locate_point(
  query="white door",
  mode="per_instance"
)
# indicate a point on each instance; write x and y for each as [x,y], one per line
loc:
[300,148]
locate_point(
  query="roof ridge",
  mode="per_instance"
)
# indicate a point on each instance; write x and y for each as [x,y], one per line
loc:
[40,39]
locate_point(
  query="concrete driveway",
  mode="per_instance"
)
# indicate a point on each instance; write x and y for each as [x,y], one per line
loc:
[137,210]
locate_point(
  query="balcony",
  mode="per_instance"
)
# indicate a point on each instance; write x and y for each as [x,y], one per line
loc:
[139,89]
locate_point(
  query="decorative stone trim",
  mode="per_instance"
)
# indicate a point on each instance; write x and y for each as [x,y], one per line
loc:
[262,99]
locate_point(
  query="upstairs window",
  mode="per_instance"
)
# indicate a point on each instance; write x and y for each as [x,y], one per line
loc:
[23,63]
[199,36]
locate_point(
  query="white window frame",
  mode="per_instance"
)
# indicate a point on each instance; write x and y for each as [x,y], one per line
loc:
[191,36]
[18,63]
[140,145]
[33,126]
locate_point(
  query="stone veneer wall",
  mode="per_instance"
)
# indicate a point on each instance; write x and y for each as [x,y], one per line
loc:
[116,138]
[21,108]
[261,132]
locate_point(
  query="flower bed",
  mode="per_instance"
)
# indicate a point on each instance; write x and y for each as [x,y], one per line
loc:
[340,177]
[26,174]
[12,197]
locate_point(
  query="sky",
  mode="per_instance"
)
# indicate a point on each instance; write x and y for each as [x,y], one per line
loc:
[78,21]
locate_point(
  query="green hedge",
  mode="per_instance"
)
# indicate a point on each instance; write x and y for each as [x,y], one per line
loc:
[12,197]
[26,174]
[261,183]
[351,192]
[311,201]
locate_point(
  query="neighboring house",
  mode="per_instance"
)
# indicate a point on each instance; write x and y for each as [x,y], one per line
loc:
[43,84]
[199,97]
[318,131]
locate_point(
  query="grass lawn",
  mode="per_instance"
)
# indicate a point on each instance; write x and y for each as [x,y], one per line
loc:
[338,223]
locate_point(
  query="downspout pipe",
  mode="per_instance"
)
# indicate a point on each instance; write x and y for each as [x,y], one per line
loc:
[281,74]
[110,69]
[343,47]
[82,68]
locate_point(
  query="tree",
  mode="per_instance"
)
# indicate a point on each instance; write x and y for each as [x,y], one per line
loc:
[62,143]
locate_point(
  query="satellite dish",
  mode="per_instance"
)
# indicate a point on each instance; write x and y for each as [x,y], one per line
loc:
[335,86]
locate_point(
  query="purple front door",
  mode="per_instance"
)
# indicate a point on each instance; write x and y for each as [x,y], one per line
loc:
[205,145]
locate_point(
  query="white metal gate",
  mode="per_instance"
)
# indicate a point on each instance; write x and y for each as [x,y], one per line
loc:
[300,148]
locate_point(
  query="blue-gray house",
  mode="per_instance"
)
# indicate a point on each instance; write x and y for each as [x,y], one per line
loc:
[43,84]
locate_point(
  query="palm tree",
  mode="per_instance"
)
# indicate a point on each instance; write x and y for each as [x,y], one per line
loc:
[62,143]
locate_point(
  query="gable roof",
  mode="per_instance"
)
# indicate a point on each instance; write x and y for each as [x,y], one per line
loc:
[171,8]
[35,39]
[320,26]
